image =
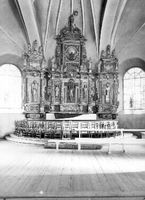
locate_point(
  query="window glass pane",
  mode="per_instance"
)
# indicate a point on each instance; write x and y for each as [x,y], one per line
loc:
[10,88]
[134,89]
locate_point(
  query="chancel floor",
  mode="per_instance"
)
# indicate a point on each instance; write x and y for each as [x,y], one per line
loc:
[31,170]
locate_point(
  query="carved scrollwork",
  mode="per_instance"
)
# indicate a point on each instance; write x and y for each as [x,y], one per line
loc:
[33,56]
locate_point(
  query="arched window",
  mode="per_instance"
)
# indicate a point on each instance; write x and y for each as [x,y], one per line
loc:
[134,89]
[10,88]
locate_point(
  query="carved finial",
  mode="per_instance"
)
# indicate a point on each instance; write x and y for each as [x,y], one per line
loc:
[108,51]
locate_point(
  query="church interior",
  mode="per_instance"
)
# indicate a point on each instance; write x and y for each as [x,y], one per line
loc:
[72,99]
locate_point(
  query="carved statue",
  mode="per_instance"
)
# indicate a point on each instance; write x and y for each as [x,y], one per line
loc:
[57,91]
[47,95]
[34,91]
[71,94]
[71,91]
[107,92]
[71,20]
[85,91]
[108,53]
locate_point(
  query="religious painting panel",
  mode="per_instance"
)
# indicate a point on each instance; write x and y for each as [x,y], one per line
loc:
[71,91]
[71,53]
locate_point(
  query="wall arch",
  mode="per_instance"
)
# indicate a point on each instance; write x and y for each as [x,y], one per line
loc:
[7,120]
[123,67]
[129,120]
[129,63]
[12,59]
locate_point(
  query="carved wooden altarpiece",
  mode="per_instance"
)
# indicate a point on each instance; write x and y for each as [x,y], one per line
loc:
[108,85]
[34,71]
[67,84]
[70,85]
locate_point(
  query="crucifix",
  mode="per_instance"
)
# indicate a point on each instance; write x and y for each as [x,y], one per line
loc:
[71,91]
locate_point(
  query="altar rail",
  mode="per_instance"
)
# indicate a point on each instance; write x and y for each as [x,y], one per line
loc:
[119,140]
[65,128]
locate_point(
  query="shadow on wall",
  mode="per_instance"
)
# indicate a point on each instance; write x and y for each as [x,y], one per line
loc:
[131,121]
[7,122]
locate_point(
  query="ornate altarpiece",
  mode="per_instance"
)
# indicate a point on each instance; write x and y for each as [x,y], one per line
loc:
[67,84]
[108,84]
[70,82]
[34,71]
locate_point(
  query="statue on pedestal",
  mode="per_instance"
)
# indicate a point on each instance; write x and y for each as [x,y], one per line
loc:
[34,91]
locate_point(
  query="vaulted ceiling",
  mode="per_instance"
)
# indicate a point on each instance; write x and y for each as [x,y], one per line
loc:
[120,23]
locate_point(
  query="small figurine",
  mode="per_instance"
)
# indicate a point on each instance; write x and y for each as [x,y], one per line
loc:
[108,53]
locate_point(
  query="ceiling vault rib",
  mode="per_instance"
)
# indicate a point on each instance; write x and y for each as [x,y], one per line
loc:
[83,17]
[38,25]
[94,23]
[47,25]
[58,17]
[10,37]
[28,14]
[71,6]
[104,4]
[114,30]
[142,26]
[22,19]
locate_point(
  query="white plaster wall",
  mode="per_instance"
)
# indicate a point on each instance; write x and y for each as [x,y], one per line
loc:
[7,122]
